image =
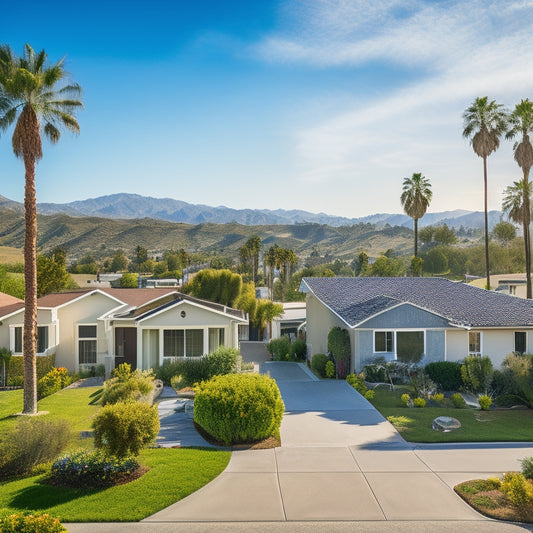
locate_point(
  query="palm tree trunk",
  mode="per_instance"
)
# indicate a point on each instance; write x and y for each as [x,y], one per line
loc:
[487,267]
[416,237]
[30,280]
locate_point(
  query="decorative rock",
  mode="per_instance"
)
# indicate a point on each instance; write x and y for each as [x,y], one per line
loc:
[445,424]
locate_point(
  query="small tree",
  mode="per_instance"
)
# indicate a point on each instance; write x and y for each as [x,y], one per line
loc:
[340,348]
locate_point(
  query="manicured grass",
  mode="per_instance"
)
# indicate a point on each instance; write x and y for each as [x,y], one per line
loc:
[174,474]
[69,404]
[477,426]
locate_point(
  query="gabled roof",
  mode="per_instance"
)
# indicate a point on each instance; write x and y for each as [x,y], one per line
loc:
[9,304]
[169,300]
[357,299]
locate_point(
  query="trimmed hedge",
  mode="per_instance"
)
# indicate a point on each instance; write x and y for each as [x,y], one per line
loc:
[318,364]
[239,408]
[340,348]
[445,374]
[124,429]
[279,349]
[15,372]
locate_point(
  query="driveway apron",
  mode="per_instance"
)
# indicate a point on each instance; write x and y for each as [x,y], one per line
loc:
[339,460]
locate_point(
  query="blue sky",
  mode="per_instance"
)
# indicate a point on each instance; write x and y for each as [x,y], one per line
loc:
[323,105]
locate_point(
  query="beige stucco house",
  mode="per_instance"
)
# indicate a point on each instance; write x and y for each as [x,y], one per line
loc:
[144,327]
[429,319]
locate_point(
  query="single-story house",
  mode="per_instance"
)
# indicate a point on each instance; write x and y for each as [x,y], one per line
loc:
[144,327]
[432,319]
[290,323]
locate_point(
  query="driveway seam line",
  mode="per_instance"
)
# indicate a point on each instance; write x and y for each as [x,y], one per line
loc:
[279,486]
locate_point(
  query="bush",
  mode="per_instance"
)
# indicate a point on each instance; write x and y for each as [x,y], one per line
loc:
[508,400]
[34,441]
[405,399]
[298,350]
[22,523]
[438,398]
[419,402]
[340,348]
[527,467]
[84,468]
[238,408]
[279,348]
[369,394]
[15,371]
[445,374]
[484,402]
[376,374]
[167,371]
[223,361]
[330,369]
[476,373]
[358,383]
[517,488]
[423,386]
[458,401]
[129,280]
[53,382]
[318,364]
[125,386]
[125,428]
[493,483]
[518,373]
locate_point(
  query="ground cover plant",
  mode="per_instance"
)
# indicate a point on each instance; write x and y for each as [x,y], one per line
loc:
[415,425]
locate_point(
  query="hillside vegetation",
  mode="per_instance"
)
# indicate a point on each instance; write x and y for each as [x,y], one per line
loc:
[80,235]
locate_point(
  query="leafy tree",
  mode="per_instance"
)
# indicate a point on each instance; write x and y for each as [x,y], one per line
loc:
[426,236]
[220,286]
[435,261]
[340,348]
[417,264]
[141,255]
[521,123]
[119,262]
[415,198]
[361,268]
[10,285]
[52,275]
[265,312]
[29,93]
[505,232]
[444,235]
[249,255]
[387,267]
[484,123]
[129,280]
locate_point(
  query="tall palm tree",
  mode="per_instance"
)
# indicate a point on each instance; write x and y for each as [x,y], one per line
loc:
[416,197]
[484,123]
[521,124]
[517,206]
[30,98]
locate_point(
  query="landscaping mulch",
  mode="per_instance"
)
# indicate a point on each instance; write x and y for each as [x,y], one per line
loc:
[493,503]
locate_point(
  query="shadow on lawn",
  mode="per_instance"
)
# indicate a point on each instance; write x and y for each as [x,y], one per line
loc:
[42,496]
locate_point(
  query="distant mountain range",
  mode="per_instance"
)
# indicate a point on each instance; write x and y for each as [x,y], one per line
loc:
[134,206]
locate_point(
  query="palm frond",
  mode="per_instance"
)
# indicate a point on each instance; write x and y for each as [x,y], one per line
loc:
[52,133]
[8,118]
[52,75]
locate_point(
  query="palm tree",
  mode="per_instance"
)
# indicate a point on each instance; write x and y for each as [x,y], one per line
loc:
[521,123]
[416,197]
[516,205]
[484,123]
[31,99]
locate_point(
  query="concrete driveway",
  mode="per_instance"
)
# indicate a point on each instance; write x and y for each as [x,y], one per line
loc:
[340,460]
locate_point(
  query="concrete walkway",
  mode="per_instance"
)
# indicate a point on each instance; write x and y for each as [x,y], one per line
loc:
[341,467]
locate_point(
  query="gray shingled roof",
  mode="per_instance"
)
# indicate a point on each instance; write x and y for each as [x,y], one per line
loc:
[357,299]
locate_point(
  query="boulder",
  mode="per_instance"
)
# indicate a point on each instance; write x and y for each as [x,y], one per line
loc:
[445,423]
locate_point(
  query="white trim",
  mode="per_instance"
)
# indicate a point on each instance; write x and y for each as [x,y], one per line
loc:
[21,310]
[514,339]
[374,331]
[395,332]
[184,329]
[77,340]
[480,343]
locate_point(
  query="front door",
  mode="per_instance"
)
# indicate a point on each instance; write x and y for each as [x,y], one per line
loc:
[126,346]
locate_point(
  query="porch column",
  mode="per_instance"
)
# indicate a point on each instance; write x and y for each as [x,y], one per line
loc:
[140,349]
[206,340]
[161,340]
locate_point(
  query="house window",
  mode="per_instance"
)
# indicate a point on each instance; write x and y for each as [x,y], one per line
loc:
[173,343]
[87,345]
[512,290]
[520,341]
[42,339]
[18,339]
[409,346]
[194,342]
[216,338]
[474,343]
[383,341]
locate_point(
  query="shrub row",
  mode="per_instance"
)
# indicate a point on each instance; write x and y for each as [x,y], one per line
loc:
[239,408]
[15,372]
[283,350]
[125,386]
[196,369]
[53,381]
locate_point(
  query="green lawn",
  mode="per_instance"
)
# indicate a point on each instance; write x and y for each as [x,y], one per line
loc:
[414,424]
[173,474]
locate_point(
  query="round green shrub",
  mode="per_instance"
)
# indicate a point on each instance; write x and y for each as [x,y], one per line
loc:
[298,350]
[438,398]
[369,394]
[446,374]
[458,401]
[238,408]
[223,361]
[405,399]
[125,428]
[517,488]
[527,467]
[419,402]
[137,386]
[484,402]
[357,381]
[318,364]
[330,369]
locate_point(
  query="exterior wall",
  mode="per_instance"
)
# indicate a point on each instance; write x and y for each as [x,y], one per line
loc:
[45,317]
[319,321]
[7,324]
[194,316]
[435,345]
[405,316]
[86,310]
[456,344]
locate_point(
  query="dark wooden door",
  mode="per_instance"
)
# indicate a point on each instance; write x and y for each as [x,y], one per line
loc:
[126,346]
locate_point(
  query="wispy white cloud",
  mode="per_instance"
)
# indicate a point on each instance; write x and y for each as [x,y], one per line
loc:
[458,49]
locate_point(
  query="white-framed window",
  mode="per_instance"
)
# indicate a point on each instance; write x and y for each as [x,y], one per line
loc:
[42,339]
[520,341]
[87,337]
[384,341]
[474,343]
[183,342]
